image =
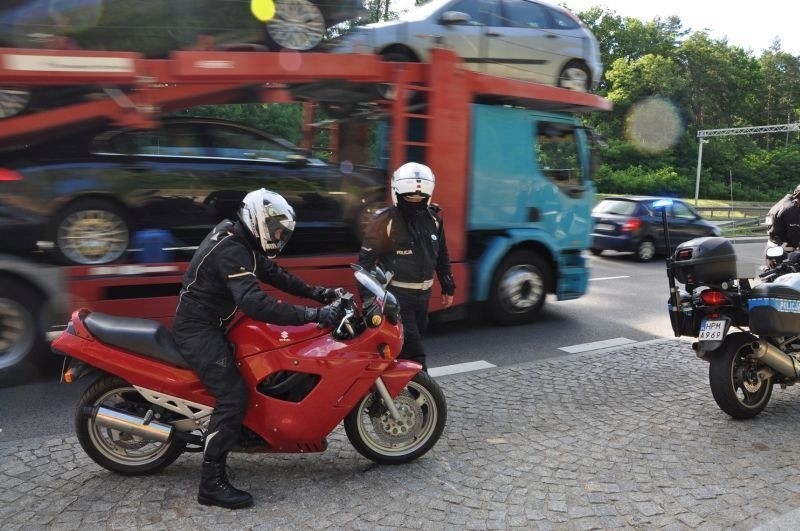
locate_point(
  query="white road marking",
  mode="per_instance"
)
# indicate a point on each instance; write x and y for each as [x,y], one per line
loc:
[459,367]
[595,345]
[610,278]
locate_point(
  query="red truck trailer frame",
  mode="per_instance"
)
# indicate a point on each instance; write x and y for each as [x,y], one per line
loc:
[189,78]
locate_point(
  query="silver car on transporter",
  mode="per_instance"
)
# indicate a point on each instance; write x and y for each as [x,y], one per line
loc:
[519,39]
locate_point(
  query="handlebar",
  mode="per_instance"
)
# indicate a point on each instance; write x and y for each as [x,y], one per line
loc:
[785,267]
[345,328]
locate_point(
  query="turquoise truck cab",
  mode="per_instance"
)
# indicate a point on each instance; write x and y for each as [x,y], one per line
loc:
[531,194]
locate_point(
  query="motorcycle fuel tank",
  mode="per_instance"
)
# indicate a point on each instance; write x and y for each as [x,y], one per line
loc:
[775,307]
[253,336]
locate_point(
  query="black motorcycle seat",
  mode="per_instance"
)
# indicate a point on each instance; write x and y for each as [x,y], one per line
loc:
[143,336]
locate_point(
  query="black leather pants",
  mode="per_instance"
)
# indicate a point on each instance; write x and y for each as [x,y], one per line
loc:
[414,312]
[208,351]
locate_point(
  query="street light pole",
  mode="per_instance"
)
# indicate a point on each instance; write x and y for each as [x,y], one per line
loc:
[699,162]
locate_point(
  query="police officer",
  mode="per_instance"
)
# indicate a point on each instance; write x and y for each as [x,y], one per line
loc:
[785,228]
[221,279]
[408,240]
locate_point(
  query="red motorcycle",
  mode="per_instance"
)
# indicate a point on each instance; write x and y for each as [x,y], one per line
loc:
[147,406]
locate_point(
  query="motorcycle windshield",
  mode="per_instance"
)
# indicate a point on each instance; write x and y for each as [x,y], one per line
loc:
[366,279]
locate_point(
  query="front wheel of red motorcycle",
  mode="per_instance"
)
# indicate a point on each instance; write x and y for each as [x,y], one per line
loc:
[378,436]
[112,447]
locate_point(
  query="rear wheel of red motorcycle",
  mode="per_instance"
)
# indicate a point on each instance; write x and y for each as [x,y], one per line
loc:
[379,437]
[119,451]
[733,376]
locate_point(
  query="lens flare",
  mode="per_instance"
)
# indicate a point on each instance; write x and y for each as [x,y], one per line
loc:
[346,167]
[290,60]
[263,10]
[653,125]
[72,17]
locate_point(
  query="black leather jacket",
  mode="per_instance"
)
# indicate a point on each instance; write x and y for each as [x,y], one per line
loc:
[413,246]
[786,225]
[223,278]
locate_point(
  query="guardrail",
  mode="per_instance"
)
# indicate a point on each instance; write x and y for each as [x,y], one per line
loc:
[733,212]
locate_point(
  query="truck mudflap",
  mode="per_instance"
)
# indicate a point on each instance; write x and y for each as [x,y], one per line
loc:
[573,279]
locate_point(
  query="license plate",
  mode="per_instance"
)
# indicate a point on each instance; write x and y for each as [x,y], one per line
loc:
[712,330]
[604,226]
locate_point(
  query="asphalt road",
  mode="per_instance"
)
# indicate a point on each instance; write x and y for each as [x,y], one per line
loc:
[626,304]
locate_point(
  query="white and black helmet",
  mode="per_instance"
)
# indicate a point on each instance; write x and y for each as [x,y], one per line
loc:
[412,179]
[269,218]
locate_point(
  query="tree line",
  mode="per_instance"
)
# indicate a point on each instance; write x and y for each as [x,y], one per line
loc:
[667,83]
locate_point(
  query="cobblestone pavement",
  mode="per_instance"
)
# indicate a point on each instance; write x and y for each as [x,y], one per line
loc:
[622,439]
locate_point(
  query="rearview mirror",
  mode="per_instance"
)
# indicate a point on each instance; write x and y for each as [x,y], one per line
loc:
[775,252]
[297,161]
[455,17]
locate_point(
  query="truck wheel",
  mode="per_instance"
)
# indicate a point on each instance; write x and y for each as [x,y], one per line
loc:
[23,347]
[519,288]
[91,231]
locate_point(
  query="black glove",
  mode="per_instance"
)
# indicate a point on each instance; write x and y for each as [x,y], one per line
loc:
[323,294]
[330,315]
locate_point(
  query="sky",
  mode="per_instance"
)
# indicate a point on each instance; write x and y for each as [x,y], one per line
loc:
[749,25]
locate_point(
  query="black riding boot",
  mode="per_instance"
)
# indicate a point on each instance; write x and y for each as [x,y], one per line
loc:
[215,489]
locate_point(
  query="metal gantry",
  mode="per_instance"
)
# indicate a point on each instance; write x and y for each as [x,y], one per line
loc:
[754,130]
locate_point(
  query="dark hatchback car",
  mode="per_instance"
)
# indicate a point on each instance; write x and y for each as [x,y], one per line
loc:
[634,224]
[87,196]
[156,27]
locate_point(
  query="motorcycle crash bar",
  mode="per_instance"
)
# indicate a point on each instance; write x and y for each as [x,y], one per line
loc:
[775,358]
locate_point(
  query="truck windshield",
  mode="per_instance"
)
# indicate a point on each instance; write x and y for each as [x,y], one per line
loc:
[558,152]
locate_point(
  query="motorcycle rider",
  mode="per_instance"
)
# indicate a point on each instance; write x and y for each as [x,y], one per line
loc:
[408,240]
[785,228]
[221,279]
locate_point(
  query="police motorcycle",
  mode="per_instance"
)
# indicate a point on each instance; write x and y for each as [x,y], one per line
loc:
[747,329]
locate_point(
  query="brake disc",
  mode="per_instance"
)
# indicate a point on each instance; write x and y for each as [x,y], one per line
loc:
[126,441]
[750,380]
[405,429]
[751,385]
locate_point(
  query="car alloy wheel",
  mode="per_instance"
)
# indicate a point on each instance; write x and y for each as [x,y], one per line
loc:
[574,76]
[298,25]
[92,232]
[646,250]
[13,101]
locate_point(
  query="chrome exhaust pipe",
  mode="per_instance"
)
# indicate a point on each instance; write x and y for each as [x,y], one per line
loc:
[119,420]
[777,359]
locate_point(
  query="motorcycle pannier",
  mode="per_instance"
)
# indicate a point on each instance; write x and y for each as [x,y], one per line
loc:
[708,259]
[775,307]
